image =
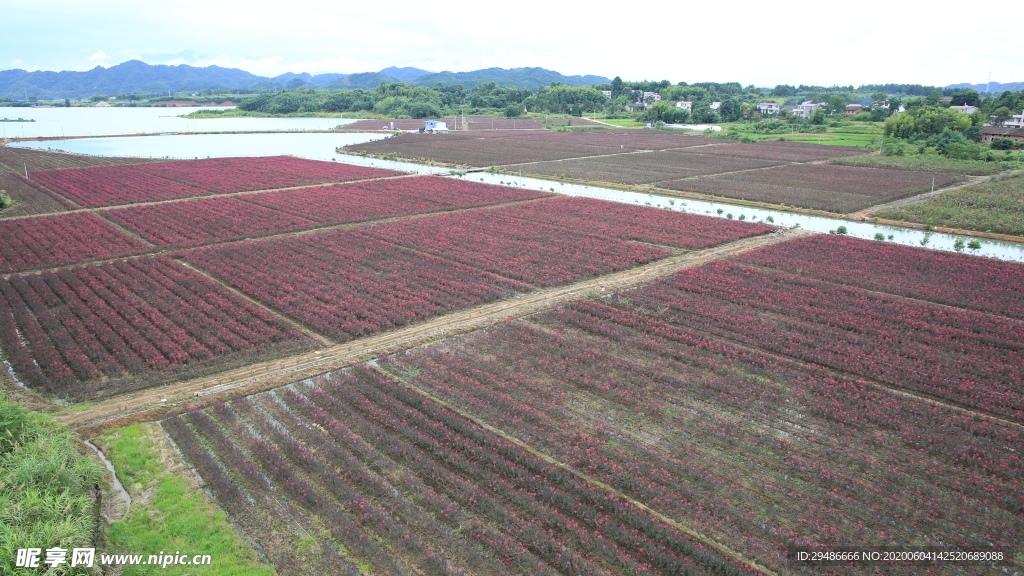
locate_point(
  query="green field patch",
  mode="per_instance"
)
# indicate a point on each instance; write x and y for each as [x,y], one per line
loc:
[994,206]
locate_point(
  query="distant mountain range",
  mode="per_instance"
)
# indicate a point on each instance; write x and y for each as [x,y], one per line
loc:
[136,76]
[993,88]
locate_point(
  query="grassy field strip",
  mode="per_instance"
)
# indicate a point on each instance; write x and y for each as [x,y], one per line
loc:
[219,194]
[158,403]
[870,211]
[324,340]
[169,249]
[586,478]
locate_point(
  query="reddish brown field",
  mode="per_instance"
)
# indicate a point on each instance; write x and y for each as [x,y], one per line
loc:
[831,187]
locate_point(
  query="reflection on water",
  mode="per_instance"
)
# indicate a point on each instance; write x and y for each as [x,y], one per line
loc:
[322,146]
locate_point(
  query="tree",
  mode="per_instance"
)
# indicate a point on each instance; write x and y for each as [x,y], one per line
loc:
[1001,115]
[617,87]
[965,96]
[730,110]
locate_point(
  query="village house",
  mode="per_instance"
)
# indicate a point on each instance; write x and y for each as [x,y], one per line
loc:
[852,109]
[768,108]
[966,108]
[805,109]
[685,105]
[990,133]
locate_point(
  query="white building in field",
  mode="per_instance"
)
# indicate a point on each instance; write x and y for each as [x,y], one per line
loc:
[768,108]
[435,127]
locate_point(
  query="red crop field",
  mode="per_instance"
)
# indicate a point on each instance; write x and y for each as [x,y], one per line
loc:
[223,175]
[761,451]
[346,284]
[970,358]
[535,253]
[831,187]
[112,185]
[646,167]
[628,222]
[30,243]
[785,151]
[959,280]
[315,171]
[95,331]
[386,198]
[204,220]
[380,476]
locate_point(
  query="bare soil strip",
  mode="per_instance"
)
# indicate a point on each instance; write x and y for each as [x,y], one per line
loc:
[160,402]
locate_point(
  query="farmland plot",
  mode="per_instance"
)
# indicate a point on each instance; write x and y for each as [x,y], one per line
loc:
[646,168]
[345,284]
[959,280]
[535,253]
[30,243]
[112,185]
[627,222]
[834,188]
[758,451]
[204,220]
[405,486]
[95,331]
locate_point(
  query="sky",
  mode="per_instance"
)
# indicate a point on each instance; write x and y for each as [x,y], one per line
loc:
[741,41]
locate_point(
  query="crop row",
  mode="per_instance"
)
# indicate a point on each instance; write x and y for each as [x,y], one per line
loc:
[762,452]
[835,188]
[785,151]
[395,478]
[383,198]
[30,243]
[970,358]
[204,220]
[628,222]
[110,185]
[93,331]
[149,182]
[347,284]
[960,280]
[648,167]
[539,254]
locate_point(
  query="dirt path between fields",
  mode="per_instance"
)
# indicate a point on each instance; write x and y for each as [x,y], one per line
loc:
[158,403]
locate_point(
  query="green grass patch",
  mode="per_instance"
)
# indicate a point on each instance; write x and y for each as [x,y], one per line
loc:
[169,513]
[995,206]
[622,122]
[46,488]
[927,163]
[835,138]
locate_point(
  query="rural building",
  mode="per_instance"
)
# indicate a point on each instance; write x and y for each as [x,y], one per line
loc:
[685,105]
[990,133]
[1016,121]
[805,109]
[852,109]
[435,127]
[636,106]
[769,108]
[607,93]
[716,105]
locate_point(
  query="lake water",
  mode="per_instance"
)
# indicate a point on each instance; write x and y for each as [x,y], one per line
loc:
[111,121]
[322,146]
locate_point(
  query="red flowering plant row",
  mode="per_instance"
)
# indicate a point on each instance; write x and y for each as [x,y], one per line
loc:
[969,358]
[30,243]
[386,198]
[347,284]
[648,168]
[112,185]
[398,481]
[761,451]
[222,175]
[532,252]
[314,171]
[204,220]
[94,331]
[959,280]
[829,187]
[628,222]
